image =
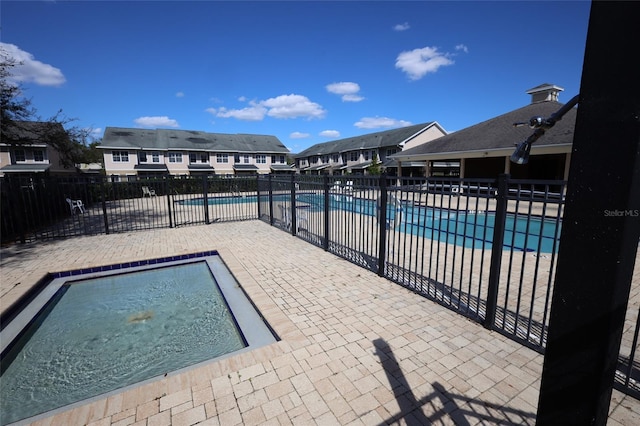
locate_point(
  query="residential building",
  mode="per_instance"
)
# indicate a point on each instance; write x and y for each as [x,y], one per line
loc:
[27,149]
[356,154]
[484,149]
[134,153]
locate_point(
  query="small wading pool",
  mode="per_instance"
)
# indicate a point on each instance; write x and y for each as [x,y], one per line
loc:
[88,334]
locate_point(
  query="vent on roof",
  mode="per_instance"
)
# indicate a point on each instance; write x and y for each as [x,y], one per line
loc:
[122,133]
[198,140]
[545,93]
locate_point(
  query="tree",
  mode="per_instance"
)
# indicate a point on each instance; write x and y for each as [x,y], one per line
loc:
[91,153]
[376,167]
[20,124]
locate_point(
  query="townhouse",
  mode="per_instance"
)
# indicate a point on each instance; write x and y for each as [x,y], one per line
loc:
[131,153]
[27,150]
[355,155]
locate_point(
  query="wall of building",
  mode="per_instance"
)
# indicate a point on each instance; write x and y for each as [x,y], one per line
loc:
[430,134]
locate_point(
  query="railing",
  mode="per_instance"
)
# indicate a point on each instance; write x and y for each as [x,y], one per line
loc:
[35,208]
[484,248]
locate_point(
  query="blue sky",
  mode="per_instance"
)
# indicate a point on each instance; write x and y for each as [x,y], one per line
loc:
[306,72]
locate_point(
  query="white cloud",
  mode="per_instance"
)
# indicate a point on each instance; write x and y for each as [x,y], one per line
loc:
[30,70]
[462,47]
[254,112]
[299,135]
[380,122]
[293,106]
[330,133]
[156,121]
[242,99]
[419,62]
[180,95]
[348,90]
[96,133]
[401,27]
[283,106]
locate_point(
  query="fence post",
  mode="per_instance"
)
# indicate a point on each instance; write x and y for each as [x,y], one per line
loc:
[327,210]
[105,217]
[497,243]
[271,219]
[294,219]
[205,198]
[167,183]
[382,225]
[258,196]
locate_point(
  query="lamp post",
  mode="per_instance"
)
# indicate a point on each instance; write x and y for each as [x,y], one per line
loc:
[541,125]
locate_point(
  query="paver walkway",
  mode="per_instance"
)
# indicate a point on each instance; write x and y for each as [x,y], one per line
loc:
[355,349]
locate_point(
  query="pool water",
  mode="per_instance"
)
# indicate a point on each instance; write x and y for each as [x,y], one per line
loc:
[463,228]
[101,334]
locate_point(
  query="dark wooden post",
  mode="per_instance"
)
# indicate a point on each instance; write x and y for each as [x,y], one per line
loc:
[601,226]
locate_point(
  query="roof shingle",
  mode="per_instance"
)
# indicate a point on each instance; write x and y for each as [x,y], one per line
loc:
[170,139]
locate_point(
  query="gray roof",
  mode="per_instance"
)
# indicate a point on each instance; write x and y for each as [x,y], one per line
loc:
[387,138]
[499,132]
[31,132]
[169,139]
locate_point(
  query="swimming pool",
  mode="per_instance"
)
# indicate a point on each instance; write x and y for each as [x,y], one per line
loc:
[87,333]
[463,228]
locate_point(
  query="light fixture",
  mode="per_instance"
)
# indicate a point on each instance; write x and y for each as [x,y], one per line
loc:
[541,125]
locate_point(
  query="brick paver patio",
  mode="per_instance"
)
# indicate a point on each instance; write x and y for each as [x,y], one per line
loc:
[355,349]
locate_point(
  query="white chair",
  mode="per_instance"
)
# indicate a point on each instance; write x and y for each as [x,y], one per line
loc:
[302,218]
[284,215]
[148,192]
[75,204]
[349,187]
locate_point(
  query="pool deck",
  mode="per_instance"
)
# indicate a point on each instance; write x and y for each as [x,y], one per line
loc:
[355,348]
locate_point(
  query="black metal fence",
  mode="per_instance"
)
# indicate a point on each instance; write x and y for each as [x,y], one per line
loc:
[35,208]
[485,248]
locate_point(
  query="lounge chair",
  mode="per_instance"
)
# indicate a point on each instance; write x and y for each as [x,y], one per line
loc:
[302,218]
[75,204]
[148,192]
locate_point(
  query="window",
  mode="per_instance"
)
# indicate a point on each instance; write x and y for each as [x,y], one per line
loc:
[155,157]
[198,157]
[246,159]
[336,158]
[175,157]
[353,156]
[261,159]
[142,157]
[38,155]
[236,158]
[391,151]
[18,155]
[222,158]
[366,155]
[120,156]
